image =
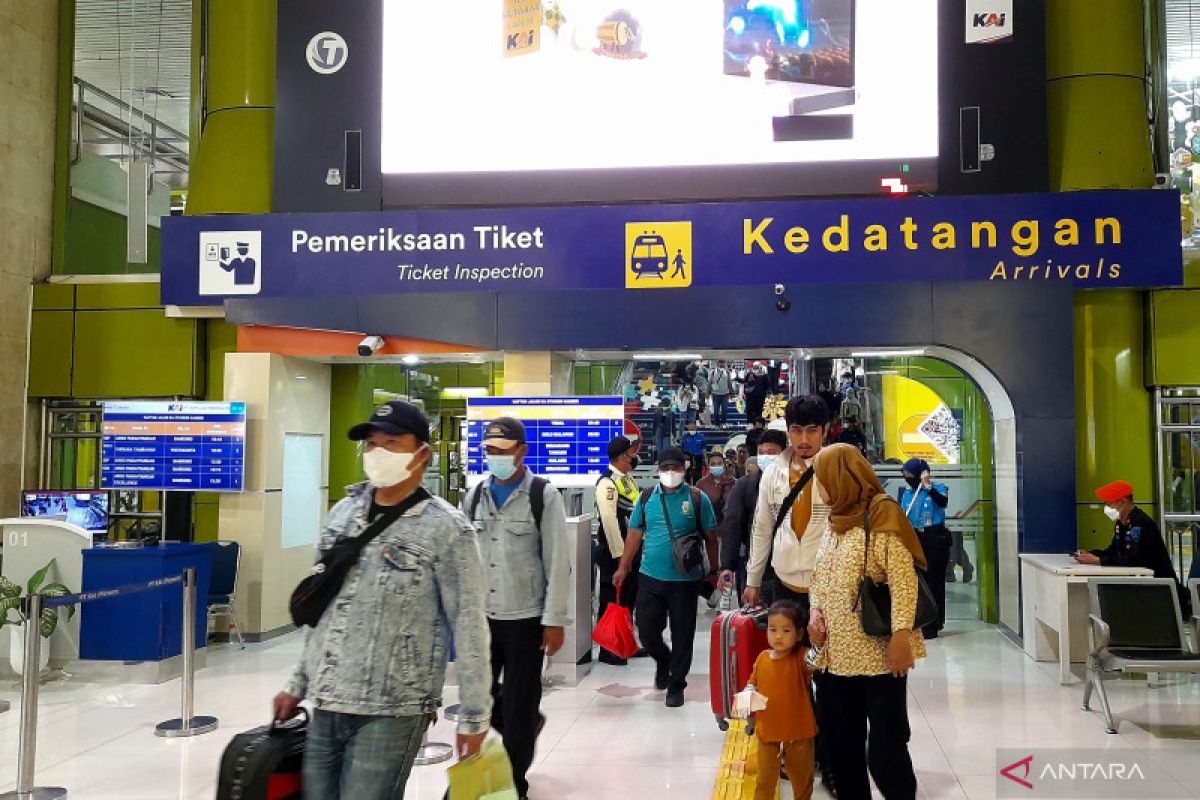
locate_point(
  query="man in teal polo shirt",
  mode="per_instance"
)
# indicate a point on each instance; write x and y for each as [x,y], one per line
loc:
[665,594]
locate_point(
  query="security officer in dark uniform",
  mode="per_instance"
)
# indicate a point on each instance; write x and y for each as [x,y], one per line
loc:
[616,494]
[1136,542]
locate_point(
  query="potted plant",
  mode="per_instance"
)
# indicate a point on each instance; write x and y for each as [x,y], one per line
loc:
[11,596]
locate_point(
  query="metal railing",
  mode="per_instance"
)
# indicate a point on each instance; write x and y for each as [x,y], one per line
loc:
[124,124]
[187,724]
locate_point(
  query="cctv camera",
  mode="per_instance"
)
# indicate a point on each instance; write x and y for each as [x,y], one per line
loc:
[780,289]
[370,345]
[783,304]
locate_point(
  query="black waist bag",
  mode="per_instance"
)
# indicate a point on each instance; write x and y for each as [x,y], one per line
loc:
[314,594]
[264,763]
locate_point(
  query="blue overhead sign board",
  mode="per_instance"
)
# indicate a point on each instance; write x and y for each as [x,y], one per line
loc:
[174,446]
[567,436]
[1088,239]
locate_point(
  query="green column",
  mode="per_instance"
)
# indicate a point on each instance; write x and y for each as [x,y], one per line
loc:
[1096,95]
[231,164]
[1096,103]
[63,134]
[1113,415]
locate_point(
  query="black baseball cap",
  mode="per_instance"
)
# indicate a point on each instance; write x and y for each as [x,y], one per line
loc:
[619,446]
[396,418]
[504,432]
[672,457]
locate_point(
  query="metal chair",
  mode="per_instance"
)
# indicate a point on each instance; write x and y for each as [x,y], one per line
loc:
[226,563]
[1134,626]
[1193,586]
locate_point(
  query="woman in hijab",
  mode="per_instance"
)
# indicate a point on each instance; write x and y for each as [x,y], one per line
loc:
[924,502]
[865,681]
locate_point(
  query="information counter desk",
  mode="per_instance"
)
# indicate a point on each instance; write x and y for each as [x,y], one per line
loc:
[1054,606]
[147,625]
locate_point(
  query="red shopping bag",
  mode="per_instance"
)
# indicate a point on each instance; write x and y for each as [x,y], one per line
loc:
[614,631]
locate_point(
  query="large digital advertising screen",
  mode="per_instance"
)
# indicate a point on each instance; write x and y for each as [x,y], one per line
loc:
[173,446]
[842,92]
[567,436]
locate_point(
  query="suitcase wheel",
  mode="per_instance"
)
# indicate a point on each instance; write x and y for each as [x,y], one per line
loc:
[722,723]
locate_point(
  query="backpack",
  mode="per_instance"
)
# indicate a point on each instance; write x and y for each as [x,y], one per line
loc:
[851,407]
[537,501]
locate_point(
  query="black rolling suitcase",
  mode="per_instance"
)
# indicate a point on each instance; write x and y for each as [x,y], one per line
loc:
[264,764]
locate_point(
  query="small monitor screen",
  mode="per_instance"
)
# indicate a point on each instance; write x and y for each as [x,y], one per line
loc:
[88,510]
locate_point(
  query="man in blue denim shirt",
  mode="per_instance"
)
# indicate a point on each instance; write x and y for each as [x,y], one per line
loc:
[375,664]
[528,571]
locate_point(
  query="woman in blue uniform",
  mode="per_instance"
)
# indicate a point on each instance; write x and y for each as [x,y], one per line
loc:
[924,503]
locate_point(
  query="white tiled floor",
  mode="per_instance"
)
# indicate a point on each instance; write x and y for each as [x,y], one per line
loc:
[977,691]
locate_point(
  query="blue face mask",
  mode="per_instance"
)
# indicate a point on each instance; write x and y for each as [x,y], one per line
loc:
[502,467]
[718,471]
[765,461]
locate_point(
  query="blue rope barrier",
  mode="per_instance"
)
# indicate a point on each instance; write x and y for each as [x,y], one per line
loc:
[107,594]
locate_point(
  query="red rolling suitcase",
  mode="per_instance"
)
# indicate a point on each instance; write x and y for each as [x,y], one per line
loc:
[737,638]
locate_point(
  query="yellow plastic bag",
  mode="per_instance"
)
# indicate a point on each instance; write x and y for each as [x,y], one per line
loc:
[487,776]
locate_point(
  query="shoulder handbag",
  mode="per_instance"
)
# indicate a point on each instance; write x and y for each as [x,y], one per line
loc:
[875,599]
[314,594]
[687,551]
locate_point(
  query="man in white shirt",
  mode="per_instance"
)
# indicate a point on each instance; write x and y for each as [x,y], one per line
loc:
[792,549]
[790,552]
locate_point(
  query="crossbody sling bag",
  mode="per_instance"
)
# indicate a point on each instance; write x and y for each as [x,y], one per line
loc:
[314,594]
[688,551]
[875,599]
[783,512]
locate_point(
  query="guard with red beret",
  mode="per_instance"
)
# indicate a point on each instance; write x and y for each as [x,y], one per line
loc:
[1136,542]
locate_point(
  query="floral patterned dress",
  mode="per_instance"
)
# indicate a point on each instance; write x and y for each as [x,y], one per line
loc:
[848,650]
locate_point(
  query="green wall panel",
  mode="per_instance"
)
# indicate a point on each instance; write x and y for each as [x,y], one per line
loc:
[96,243]
[109,296]
[221,339]
[205,516]
[50,338]
[1175,322]
[349,404]
[134,354]
[53,296]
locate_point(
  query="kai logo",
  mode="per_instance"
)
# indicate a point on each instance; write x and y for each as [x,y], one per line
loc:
[992,20]
[658,255]
[989,21]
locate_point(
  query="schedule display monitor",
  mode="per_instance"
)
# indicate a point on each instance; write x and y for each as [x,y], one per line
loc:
[567,436]
[88,510]
[180,446]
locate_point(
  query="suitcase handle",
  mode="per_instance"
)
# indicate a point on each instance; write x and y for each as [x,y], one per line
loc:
[298,722]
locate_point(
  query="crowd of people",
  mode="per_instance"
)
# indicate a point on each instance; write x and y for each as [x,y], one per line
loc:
[493,576]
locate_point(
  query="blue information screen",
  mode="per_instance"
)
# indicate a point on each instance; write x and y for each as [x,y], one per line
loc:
[567,436]
[187,446]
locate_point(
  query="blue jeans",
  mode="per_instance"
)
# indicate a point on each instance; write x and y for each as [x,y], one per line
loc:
[359,757]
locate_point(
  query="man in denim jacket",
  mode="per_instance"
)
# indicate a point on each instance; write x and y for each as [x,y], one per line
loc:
[528,572]
[375,664]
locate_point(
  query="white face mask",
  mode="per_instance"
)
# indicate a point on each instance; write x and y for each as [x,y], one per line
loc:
[1112,513]
[671,479]
[385,468]
[765,461]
